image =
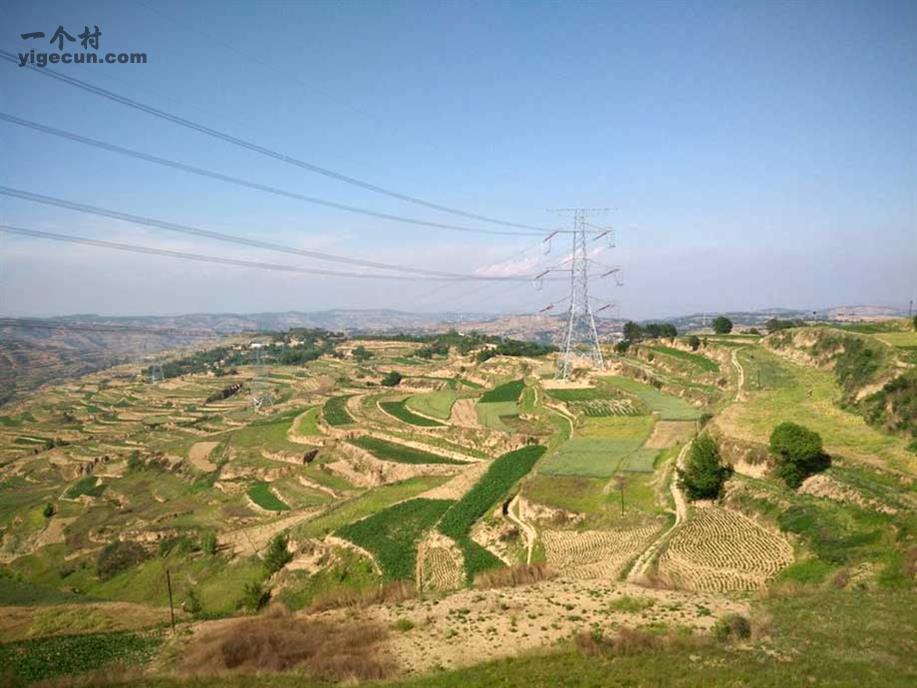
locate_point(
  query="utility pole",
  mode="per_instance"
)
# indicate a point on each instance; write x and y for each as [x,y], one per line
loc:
[581,339]
[171,607]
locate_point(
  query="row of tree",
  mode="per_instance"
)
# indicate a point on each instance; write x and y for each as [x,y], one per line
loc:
[798,453]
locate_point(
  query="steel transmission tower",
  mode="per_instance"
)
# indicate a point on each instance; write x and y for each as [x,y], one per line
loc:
[581,339]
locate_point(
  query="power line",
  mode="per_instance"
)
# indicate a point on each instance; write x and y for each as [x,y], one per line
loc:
[230,238]
[251,56]
[219,260]
[242,143]
[243,182]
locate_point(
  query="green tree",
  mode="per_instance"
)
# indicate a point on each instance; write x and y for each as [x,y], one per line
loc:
[694,342]
[704,474]
[722,325]
[622,347]
[277,555]
[799,453]
[361,354]
[48,511]
[392,378]
[632,331]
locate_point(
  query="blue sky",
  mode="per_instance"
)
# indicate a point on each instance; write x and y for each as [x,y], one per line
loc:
[756,154]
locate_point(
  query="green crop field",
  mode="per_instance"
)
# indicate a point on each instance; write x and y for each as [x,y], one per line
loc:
[389,451]
[401,412]
[437,404]
[668,406]
[90,485]
[72,655]
[343,512]
[335,411]
[503,473]
[641,461]
[307,424]
[699,360]
[391,535]
[492,415]
[580,394]
[266,433]
[508,391]
[588,456]
[260,493]
[599,447]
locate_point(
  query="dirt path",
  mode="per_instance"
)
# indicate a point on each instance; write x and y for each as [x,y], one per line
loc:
[638,570]
[740,387]
[516,514]
[253,539]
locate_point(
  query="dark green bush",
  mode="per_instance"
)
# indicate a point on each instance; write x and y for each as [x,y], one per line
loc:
[254,597]
[277,555]
[392,378]
[732,627]
[119,556]
[799,453]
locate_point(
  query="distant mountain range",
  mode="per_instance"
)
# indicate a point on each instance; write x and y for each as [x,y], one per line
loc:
[35,351]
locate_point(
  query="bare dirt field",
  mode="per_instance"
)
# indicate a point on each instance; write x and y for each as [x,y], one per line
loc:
[199,455]
[472,626]
[668,433]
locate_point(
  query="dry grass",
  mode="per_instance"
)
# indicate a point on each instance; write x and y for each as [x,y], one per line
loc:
[524,574]
[398,591]
[277,641]
[632,641]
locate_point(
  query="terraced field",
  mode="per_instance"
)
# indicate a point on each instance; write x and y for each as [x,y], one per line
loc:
[435,404]
[666,406]
[389,451]
[335,411]
[391,535]
[399,410]
[721,550]
[108,482]
[594,553]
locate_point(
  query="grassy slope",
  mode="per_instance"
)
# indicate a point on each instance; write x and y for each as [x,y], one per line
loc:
[807,396]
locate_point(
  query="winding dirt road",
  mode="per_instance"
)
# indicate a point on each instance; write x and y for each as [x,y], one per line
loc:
[516,514]
[638,570]
[740,386]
